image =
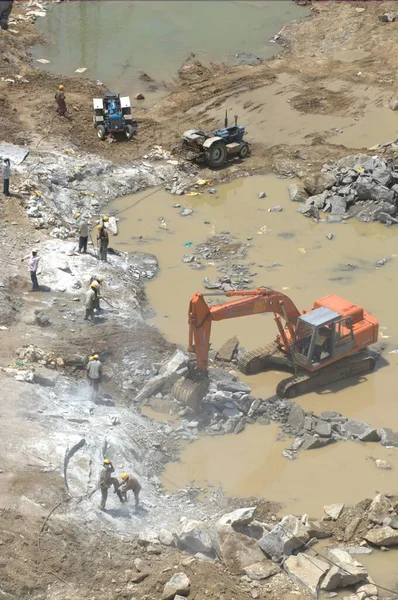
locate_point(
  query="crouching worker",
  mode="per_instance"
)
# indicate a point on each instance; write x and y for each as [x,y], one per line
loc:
[105,482]
[129,482]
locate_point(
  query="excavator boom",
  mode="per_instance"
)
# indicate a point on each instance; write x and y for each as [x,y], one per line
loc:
[251,302]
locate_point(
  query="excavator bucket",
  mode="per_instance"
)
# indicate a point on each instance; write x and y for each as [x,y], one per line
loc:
[190,393]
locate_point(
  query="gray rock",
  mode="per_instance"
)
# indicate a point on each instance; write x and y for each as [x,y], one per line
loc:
[318,529]
[393,104]
[361,430]
[185,212]
[354,161]
[323,428]
[194,536]
[318,200]
[211,285]
[352,527]
[316,184]
[296,418]
[233,386]
[338,205]
[308,423]
[166,537]
[330,236]
[383,194]
[382,464]
[228,349]
[366,590]
[297,193]
[230,425]
[372,211]
[379,509]
[382,536]
[364,189]
[241,516]
[334,510]
[178,584]
[389,437]
[350,570]
[311,442]
[285,537]
[306,571]
[261,195]
[236,550]
[330,415]
[261,570]
[239,427]
[383,176]
[276,208]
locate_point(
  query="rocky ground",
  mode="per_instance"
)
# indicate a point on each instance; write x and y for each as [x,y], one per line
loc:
[188,542]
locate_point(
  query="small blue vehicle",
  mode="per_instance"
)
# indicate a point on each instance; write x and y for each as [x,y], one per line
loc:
[112,114]
[214,150]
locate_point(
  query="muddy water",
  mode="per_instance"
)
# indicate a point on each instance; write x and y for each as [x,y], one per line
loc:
[116,41]
[310,266]
[270,117]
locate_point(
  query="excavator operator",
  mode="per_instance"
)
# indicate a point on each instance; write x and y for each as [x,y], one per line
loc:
[322,343]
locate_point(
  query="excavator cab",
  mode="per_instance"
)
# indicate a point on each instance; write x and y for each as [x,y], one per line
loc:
[322,336]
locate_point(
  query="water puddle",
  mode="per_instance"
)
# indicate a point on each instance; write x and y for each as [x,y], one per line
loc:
[295,256]
[117,41]
[284,112]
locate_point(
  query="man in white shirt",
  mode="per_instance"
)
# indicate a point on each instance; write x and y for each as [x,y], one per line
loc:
[32,268]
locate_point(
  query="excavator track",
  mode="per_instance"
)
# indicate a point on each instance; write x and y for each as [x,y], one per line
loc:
[255,361]
[302,383]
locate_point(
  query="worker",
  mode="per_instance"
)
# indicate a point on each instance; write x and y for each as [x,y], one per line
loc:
[99,279]
[105,482]
[6,176]
[90,301]
[60,100]
[103,239]
[5,11]
[322,338]
[82,228]
[32,268]
[130,482]
[94,374]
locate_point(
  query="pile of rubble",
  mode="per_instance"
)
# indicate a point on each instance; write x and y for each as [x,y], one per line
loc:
[356,186]
[259,551]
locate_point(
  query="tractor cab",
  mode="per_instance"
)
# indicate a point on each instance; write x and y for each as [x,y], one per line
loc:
[321,336]
[231,134]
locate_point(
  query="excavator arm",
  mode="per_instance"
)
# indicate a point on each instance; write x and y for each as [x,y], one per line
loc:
[251,302]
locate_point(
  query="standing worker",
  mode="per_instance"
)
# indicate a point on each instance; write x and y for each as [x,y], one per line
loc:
[105,482]
[97,290]
[94,374]
[129,482]
[82,228]
[32,268]
[103,239]
[5,11]
[90,301]
[6,177]
[60,100]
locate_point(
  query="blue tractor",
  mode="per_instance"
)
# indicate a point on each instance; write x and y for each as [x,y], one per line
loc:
[214,150]
[112,114]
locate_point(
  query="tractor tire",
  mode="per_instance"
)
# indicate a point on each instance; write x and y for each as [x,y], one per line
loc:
[101,132]
[129,132]
[244,151]
[216,155]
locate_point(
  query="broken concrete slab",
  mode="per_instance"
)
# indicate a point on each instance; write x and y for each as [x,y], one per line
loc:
[379,509]
[261,570]
[287,536]
[389,437]
[360,430]
[228,349]
[334,510]
[306,571]
[382,536]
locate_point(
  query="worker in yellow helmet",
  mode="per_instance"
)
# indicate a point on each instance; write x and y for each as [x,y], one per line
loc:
[60,100]
[82,229]
[90,301]
[106,480]
[94,374]
[103,241]
[100,280]
[130,482]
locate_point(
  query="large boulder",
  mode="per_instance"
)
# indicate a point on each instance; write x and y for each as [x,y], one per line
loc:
[360,430]
[306,571]
[241,516]
[383,536]
[382,175]
[261,570]
[319,200]
[236,550]
[334,510]
[316,184]
[178,584]
[297,192]
[389,437]
[318,529]
[383,194]
[233,386]
[338,205]
[379,509]
[296,418]
[194,536]
[350,570]
[287,536]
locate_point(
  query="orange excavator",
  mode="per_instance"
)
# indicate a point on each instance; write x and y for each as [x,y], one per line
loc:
[320,346]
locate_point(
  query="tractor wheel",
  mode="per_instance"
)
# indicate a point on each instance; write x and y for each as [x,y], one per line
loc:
[244,151]
[216,155]
[129,132]
[101,132]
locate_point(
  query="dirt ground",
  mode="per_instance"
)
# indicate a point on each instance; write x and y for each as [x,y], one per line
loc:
[27,116]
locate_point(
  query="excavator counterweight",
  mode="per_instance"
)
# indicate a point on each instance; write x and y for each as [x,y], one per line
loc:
[320,346]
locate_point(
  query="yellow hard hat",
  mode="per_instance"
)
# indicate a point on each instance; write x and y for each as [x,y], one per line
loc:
[99,227]
[105,218]
[95,357]
[90,358]
[94,284]
[124,476]
[107,461]
[77,215]
[100,279]
[61,87]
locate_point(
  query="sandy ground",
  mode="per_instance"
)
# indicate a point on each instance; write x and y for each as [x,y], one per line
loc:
[27,116]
